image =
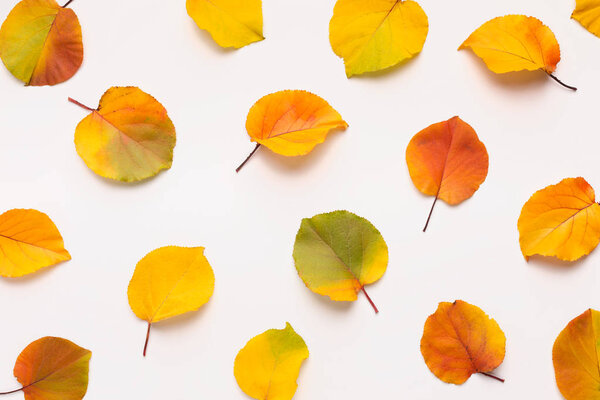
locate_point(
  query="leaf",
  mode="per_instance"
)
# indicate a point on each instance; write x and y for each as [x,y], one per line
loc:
[29,241]
[459,340]
[53,368]
[375,35]
[447,160]
[587,13]
[231,23]
[291,122]
[575,357]
[268,366]
[128,138]
[516,43]
[40,42]
[338,253]
[170,281]
[561,220]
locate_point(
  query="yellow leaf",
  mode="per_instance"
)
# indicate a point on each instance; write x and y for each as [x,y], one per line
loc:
[575,358]
[268,366]
[562,220]
[129,137]
[231,23]
[29,241]
[291,122]
[170,281]
[587,13]
[515,43]
[377,34]
[40,42]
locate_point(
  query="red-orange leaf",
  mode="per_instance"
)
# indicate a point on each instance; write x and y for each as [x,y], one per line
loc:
[447,160]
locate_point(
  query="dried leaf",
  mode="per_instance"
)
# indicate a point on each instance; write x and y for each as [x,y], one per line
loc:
[40,42]
[459,340]
[231,23]
[53,368]
[587,13]
[291,122]
[29,241]
[128,138]
[561,220]
[515,43]
[268,366]
[575,358]
[447,160]
[338,253]
[375,35]
[170,281]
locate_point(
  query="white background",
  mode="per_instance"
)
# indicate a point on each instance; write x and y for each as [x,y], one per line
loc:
[536,133]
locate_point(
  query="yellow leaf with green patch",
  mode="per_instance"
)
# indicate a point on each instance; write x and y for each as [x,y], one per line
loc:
[375,35]
[268,366]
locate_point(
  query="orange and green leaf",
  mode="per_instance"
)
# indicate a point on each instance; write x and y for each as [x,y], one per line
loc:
[53,368]
[40,42]
[447,160]
[459,340]
[129,137]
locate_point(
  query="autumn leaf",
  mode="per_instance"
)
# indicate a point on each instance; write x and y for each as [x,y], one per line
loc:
[575,358]
[129,137]
[587,13]
[40,42]
[268,366]
[459,340]
[170,281]
[561,220]
[515,43]
[338,253]
[29,241]
[375,35]
[231,23]
[447,160]
[291,122]
[52,368]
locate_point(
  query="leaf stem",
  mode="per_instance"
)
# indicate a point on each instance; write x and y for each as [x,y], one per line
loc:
[13,391]
[247,158]
[370,301]
[492,376]
[147,337]
[430,212]
[561,82]
[67,4]
[81,105]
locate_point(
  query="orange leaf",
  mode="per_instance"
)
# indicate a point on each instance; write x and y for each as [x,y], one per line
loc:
[515,43]
[130,137]
[575,357]
[291,122]
[447,160]
[561,220]
[40,42]
[53,369]
[459,340]
[29,241]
